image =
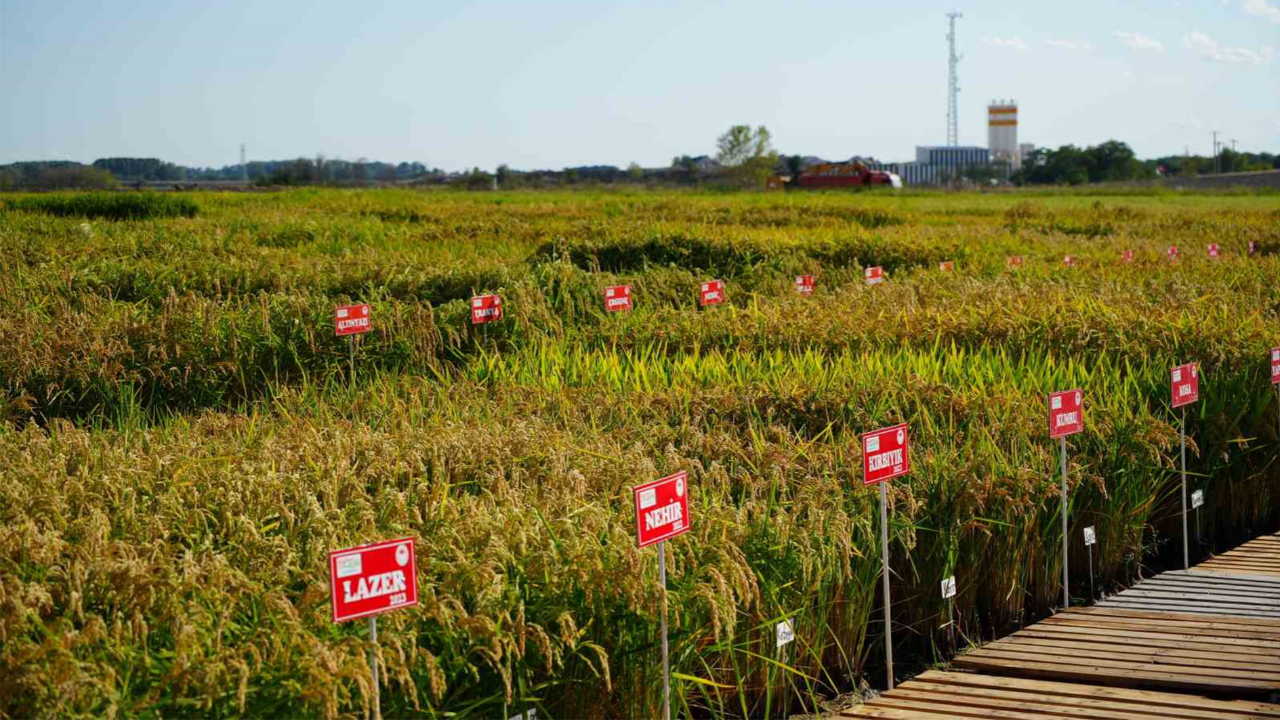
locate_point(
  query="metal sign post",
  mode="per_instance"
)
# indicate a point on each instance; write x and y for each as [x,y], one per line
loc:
[1066,592]
[662,512]
[351,320]
[1184,390]
[666,663]
[1182,437]
[1066,417]
[373,666]
[885,455]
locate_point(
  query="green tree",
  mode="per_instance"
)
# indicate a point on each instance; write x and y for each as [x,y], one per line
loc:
[635,172]
[747,154]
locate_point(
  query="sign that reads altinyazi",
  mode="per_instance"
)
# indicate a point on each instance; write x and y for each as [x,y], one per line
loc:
[351,320]
[1185,384]
[1065,414]
[662,509]
[372,579]
[885,454]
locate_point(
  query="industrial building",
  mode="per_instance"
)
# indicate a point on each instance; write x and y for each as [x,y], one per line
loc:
[953,156]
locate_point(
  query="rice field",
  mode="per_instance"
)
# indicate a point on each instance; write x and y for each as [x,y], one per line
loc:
[185,442]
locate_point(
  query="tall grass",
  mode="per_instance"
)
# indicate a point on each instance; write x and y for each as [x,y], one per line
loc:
[108,206]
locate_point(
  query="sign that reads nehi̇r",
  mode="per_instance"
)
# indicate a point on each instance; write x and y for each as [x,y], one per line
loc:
[662,509]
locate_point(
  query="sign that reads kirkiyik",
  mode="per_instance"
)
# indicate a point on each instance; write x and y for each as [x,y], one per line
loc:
[1065,416]
[617,298]
[885,454]
[662,509]
[372,579]
[711,292]
[1185,384]
[351,320]
[486,308]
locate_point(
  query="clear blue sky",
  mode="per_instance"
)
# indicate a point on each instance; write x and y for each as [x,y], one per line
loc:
[553,83]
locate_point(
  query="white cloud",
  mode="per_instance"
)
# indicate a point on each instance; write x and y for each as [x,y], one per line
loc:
[1261,8]
[1209,49]
[1138,41]
[1067,44]
[1014,42]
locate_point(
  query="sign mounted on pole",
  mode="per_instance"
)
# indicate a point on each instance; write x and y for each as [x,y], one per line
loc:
[785,632]
[711,293]
[617,298]
[885,455]
[804,284]
[662,509]
[1185,385]
[1275,366]
[1197,499]
[949,587]
[1090,537]
[1014,261]
[486,309]
[372,579]
[1173,253]
[947,265]
[351,320]
[1213,251]
[1127,256]
[1065,414]
[873,275]
[1069,261]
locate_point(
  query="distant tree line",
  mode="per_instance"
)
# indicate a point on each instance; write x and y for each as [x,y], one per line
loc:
[1114,161]
[54,175]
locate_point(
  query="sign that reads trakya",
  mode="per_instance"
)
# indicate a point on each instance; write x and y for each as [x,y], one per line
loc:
[711,293]
[617,298]
[885,454]
[1185,384]
[486,308]
[351,320]
[1197,499]
[372,579]
[1213,251]
[1065,414]
[1090,537]
[662,509]
[804,284]
[1275,366]
[874,275]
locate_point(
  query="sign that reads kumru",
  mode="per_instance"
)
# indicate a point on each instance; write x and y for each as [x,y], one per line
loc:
[372,579]
[1065,414]
[885,454]
[662,509]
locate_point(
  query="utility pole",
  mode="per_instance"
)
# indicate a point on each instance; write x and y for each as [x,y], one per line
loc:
[1215,151]
[953,84]
[244,166]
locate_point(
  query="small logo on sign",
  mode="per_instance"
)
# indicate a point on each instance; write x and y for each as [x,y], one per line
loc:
[349,565]
[873,444]
[402,555]
[1055,402]
[648,498]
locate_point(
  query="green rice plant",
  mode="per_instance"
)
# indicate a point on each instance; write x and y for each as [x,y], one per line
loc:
[108,205]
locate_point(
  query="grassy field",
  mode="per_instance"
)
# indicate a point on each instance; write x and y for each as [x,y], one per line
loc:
[184,443]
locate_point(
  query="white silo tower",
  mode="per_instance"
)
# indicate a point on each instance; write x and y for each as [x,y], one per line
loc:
[1002,132]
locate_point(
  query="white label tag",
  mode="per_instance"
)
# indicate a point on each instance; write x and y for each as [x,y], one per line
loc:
[349,565]
[949,587]
[1197,499]
[648,498]
[1055,402]
[785,632]
[1090,537]
[530,714]
[873,443]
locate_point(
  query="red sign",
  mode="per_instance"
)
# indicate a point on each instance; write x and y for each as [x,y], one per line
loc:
[1014,261]
[662,509]
[1128,256]
[947,265]
[711,293]
[1185,384]
[1173,252]
[1253,247]
[884,454]
[486,308]
[1066,416]
[617,298]
[1213,250]
[1069,261]
[372,579]
[874,275]
[1275,366]
[351,320]
[804,284]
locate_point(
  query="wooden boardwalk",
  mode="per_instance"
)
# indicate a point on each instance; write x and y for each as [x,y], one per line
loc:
[1154,651]
[937,695]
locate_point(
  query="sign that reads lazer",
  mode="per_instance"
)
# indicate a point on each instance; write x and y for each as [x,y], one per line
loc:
[804,284]
[711,293]
[874,275]
[486,308]
[617,298]
[1185,384]
[885,454]
[372,579]
[662,509]
[351,320]
[1275,366]
[1065,415]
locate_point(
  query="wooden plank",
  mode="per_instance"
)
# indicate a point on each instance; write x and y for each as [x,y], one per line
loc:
[1105,675]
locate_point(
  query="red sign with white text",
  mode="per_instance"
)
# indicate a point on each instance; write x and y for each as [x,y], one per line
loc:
[1173,252]
[1185,384]
[1128,256]
[804,284]
[874,275]
[1213,250]
[486,308]
[1069,261]
[947,265]
[885,454]
[1066,416]
[662,509]
[1275,366]
[372,579]
[351,320]
[617,298]
[1014,261]
[711,293]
